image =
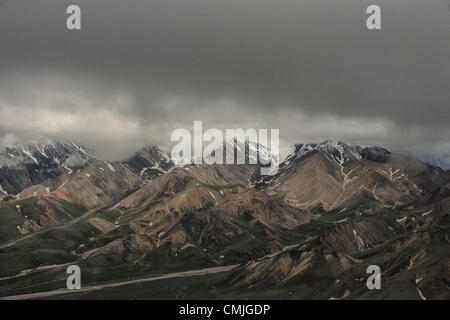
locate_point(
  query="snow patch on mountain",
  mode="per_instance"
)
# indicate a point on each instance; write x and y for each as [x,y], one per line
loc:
[110,166]
[2,190]
[28,153]
[64,183]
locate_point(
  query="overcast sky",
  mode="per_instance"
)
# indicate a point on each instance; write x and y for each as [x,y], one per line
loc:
[140,69]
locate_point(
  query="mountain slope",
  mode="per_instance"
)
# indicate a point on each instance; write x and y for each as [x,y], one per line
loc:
[333,175]
[97,183]
[410,247]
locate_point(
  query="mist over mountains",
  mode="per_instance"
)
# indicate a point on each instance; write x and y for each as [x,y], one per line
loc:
[33,162]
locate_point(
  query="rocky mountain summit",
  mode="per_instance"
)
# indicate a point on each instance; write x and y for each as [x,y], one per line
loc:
[23,165]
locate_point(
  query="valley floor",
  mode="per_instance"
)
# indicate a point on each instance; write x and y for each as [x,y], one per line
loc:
[84,290]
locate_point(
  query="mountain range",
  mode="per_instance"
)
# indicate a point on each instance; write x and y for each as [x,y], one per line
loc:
[307,232]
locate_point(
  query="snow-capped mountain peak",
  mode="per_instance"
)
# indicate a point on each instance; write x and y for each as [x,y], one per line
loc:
[244,152]
[337,151]
[46,154]
[22,165]
[150,161]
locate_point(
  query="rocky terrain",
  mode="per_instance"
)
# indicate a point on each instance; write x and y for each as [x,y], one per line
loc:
[22,166]
[308,232]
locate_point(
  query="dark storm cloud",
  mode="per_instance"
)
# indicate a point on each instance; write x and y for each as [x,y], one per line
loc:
[138,70]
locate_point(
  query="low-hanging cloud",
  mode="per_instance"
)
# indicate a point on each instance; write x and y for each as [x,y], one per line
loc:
[137,71]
